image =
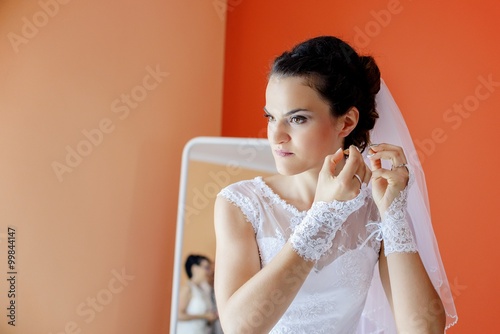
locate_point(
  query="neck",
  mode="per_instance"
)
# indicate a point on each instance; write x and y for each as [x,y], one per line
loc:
[197,280]
[299,189]
[302,187]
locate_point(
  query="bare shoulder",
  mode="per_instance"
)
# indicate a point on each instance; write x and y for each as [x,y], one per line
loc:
[184,297]
[184,290]
[232,230]
[228,217]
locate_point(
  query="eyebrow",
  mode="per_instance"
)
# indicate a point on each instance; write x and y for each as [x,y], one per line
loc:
[291,112]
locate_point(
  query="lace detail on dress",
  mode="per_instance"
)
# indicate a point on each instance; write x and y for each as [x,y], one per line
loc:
[312,307]
[270,246]
[314,236]
[351,273]
[247,205]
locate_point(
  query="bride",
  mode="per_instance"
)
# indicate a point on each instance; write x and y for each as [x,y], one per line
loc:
[336,242]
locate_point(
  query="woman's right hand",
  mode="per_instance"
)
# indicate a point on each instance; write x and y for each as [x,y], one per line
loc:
[344,186]
[211,316]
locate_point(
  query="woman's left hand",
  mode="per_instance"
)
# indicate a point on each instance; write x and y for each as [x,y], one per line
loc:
[387,183]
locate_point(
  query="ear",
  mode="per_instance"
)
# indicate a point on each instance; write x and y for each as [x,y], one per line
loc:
[348,122]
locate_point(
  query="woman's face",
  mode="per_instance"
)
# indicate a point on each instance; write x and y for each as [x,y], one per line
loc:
[202,270]
[301,130]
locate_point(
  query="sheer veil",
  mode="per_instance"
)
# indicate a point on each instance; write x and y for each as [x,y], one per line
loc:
[377,317]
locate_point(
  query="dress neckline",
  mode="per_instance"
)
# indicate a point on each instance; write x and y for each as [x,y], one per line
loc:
[269,192]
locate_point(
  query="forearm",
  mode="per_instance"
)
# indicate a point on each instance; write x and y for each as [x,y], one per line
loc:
[416,304]
[259,304]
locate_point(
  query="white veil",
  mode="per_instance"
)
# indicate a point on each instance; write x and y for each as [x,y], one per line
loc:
[377,317]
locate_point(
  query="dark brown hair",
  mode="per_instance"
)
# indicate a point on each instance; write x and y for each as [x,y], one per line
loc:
[192,260]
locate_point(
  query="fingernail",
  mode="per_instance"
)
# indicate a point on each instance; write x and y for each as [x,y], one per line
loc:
[369,155]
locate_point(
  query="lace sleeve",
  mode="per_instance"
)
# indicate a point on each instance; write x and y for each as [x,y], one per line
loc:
[395,228]
[247,206]
[314,236]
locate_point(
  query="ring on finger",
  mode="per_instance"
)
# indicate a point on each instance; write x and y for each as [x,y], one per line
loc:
[400,166]
[359,179]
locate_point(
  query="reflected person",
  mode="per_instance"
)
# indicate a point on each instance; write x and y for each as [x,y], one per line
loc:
[195,302]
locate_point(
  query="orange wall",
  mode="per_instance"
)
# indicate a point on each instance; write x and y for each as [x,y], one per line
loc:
[433,56]
[66,69]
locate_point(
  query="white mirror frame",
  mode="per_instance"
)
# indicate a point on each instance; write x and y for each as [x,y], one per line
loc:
[248,153]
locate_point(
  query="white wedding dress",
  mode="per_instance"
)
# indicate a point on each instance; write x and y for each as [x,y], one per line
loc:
[333,296]
[199,304]
[344,293]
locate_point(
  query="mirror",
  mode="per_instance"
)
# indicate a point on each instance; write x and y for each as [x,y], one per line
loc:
[208,165]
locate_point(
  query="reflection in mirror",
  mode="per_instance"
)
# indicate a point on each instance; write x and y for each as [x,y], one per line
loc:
[208,165]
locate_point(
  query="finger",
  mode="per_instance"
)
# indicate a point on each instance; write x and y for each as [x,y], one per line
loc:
[368,174]
[355,167]
[338,156]
[386,150]
[383,147]
[358,179]
[375,161]
[363,170]
[352,164]
[393,153]
[392,177]
[331,161]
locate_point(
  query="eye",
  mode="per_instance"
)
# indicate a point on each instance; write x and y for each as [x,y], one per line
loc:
[298,119]
[269,117]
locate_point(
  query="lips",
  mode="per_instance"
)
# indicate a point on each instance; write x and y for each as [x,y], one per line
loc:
[283,153]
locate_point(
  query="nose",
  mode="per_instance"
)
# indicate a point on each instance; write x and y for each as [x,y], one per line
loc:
[277,133]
